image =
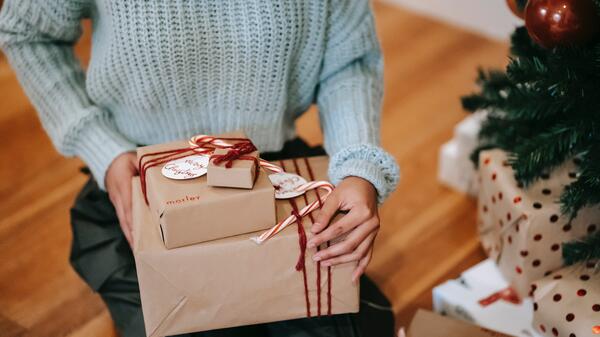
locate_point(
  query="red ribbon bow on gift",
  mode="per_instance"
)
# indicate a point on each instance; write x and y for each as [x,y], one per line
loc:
[507,294]
[238,151]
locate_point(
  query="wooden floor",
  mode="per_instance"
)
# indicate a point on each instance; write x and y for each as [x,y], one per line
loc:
[428,231]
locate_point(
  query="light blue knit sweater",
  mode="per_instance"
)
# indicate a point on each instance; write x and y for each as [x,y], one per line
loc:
[168,69]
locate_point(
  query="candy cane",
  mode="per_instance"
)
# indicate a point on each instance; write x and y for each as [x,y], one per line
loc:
[207,139]
[327,186]
[270,166]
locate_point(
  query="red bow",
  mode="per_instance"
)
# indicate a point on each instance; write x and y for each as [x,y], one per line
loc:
[507,294]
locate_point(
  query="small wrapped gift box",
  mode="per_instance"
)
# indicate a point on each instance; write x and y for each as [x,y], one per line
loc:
[428,324]
[238,173]
[523,229]
[189,211]
[234,281]
[567,302]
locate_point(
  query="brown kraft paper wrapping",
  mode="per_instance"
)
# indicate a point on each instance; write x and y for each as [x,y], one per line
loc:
[567,302]
[240,175]
[233,281]
[191,211]
[523,229]
[428,324]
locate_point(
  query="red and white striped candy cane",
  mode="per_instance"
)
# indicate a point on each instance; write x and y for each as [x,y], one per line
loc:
[270,166]
[325,185]
[207,139]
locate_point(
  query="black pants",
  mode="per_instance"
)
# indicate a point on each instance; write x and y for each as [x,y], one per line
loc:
[102,257]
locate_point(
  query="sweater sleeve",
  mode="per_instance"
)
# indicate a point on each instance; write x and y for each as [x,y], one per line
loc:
[349,98]
[37,37]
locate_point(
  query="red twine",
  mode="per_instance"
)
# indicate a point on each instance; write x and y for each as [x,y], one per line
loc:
[302,239]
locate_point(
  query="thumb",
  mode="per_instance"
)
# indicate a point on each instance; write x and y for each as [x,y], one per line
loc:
[133,162]
[327,212]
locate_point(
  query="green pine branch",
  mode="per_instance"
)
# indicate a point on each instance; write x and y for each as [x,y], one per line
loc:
[586,249]
[545,151]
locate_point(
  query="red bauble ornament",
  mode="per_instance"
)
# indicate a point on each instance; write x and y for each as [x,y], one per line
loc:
[514,7]
[559,23]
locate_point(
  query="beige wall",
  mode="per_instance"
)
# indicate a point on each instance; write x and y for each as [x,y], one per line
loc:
[487,17]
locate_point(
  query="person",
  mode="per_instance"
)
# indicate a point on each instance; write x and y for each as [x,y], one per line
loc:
[165,70]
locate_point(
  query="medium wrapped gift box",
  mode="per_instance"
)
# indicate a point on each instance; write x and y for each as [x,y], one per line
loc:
[190,211]
[233,281]
[567,302]
[523,229]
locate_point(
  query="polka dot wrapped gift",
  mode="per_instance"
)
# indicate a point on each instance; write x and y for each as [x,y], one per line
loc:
[523,229]
[567,302]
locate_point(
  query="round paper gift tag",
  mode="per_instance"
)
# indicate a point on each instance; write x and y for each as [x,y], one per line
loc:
[186,168]
[286,185]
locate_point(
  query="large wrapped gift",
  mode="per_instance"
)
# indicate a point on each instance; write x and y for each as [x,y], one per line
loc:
[483,297]
[235,281]
[567,302]
[190,211]
[428,324]
[523,229]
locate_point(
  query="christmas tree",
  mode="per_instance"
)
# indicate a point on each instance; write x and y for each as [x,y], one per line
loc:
[544,109]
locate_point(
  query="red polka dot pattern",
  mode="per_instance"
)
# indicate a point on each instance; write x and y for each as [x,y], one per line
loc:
[523,229]
[524,253]
[571,307]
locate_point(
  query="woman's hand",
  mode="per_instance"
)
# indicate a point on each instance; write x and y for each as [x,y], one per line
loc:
[361,224]
[118,185]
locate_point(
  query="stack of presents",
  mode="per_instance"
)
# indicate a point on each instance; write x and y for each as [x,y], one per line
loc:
[219,232]
[524,288]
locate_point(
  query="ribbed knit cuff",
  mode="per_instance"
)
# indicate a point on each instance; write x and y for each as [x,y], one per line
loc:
[98,143]
[368,162]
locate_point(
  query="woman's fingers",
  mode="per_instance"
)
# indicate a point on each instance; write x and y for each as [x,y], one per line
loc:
[126,201]
[361,250]
[336,229]
[362,265]
[118,185]
[326,213]
[355,239]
